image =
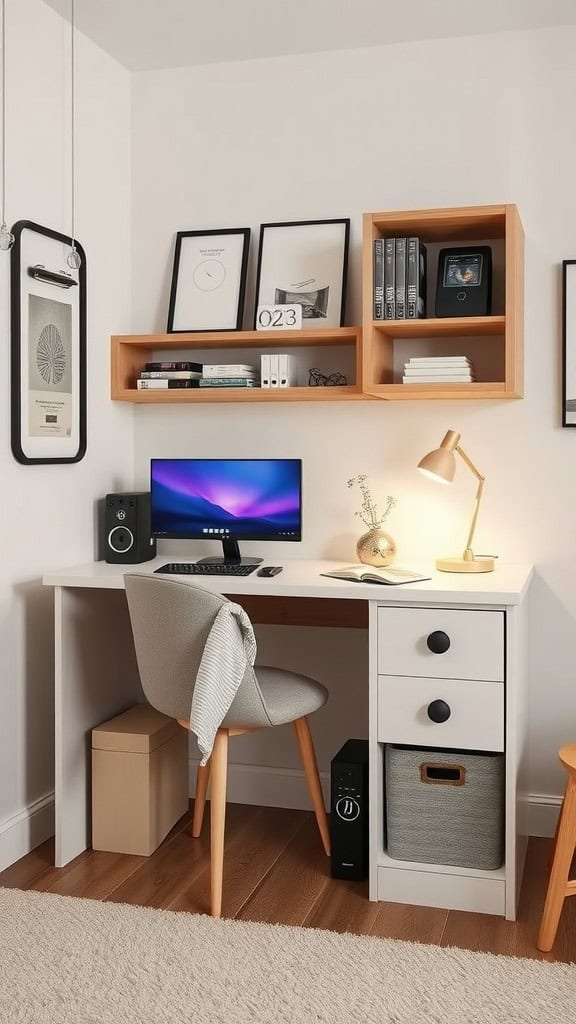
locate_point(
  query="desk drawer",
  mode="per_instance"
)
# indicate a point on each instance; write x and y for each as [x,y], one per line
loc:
[476,713]
[441,643]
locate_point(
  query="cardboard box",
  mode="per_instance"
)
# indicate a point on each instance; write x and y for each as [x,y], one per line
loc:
[139,780]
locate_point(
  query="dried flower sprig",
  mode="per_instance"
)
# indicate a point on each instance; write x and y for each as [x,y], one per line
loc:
[369,513]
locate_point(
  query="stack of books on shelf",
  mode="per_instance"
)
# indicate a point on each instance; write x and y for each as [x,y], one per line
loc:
[399,279]
[230,375]
[438,370]
[169,373]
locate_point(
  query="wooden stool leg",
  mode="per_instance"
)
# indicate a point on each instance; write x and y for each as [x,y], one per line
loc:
[558,884]
[200,798]
[310,764]
[219,772]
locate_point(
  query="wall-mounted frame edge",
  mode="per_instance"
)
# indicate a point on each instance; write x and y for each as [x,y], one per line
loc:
[16,344]
[565,265]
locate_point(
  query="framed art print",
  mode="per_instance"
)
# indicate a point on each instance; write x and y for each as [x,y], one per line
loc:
[209,280]
[569,343]
[305,262]
[48,347]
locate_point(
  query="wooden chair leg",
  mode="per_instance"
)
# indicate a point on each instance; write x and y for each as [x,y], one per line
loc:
[555,840]
[558,885]
[310,764]
[219,772]
[200,798]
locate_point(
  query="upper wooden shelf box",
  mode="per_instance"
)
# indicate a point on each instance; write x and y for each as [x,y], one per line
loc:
[494,344]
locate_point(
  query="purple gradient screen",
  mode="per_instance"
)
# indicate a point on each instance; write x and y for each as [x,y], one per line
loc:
[243,499]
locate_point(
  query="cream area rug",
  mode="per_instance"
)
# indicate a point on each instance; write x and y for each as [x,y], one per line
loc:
[72,961]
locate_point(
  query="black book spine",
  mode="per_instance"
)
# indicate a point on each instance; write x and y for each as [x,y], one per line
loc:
[379,279]
[415,279]
[422,278]
[389,279]
[171,364]
[400,287]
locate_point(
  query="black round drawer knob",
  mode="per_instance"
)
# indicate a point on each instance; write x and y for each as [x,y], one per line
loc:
[439,711]
[438,642]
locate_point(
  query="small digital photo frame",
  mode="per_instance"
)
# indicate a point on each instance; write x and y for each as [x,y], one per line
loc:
[464,286]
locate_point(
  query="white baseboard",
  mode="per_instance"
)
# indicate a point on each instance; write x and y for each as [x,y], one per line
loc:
[267,787]
[286,787]
[543,811]
[247,784]
[28,828]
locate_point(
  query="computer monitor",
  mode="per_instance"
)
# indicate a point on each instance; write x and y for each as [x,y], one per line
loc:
[228,500]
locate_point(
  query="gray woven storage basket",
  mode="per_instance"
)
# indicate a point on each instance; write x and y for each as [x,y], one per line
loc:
[445,807]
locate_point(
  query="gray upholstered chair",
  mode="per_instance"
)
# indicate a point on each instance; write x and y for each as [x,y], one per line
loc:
[171,620]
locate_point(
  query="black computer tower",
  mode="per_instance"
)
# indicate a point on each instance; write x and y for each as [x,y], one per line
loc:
[349,811]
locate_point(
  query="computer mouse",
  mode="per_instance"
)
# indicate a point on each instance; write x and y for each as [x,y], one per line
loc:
[269,570]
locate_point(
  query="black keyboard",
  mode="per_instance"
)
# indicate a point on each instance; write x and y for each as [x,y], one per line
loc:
[204,569]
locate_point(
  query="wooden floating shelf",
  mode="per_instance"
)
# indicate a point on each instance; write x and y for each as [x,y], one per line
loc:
[205,396]
[443,391]
[130,352]
[386,343]
[241,339]
[447,327]
[380,347]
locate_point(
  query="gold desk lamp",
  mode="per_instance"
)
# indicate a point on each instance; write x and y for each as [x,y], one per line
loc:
[440,465]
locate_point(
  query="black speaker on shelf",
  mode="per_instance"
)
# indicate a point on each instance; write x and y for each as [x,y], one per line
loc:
[127,539]
[349,811]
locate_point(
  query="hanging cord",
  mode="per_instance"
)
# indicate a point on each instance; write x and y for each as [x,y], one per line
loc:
[73,259]
[6,236]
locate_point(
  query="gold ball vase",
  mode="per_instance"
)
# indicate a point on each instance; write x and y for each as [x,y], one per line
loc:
[376,548]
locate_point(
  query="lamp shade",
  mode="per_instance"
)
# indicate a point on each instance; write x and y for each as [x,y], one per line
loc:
[439,464]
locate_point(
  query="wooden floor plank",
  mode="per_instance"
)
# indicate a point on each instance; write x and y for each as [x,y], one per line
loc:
[294,883]
[175,866]
[411,924]
[344,907]
[30,869]
[249,853]
[517,938]
[94,875]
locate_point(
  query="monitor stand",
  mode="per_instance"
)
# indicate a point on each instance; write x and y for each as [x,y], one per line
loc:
[231,556]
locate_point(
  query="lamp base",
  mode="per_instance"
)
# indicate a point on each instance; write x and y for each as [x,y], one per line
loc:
[465,565]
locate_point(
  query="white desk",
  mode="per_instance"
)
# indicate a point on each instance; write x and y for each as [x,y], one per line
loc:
[96,677]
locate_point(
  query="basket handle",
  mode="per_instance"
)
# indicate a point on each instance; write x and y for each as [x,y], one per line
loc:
[434,774]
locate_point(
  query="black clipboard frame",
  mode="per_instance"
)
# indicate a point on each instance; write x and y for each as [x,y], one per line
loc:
[17,272]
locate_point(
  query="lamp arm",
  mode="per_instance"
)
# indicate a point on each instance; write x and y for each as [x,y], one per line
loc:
[468,553]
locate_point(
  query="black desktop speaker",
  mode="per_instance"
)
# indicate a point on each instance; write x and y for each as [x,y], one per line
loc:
[349,811]
[127,539]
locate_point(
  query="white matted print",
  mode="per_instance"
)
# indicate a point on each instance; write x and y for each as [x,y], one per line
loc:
[49,367]
[569,344]
[209,280]
[305,262]
[48,313]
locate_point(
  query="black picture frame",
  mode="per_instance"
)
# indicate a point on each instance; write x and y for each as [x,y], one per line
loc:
[568,342]
[210,234]
[47,276]
[268,299]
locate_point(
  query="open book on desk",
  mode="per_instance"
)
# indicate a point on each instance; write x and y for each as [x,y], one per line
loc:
[372,574]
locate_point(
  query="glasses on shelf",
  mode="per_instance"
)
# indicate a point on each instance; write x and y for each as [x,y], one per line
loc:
[317,379]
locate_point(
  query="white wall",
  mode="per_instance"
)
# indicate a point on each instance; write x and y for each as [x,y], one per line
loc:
[48,512]
[453,122]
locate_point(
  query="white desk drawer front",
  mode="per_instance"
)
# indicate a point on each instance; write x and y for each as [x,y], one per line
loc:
[441,643]
[459,713]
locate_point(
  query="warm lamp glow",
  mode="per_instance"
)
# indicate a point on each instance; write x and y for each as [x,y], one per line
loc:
[432,475]
[440,466]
